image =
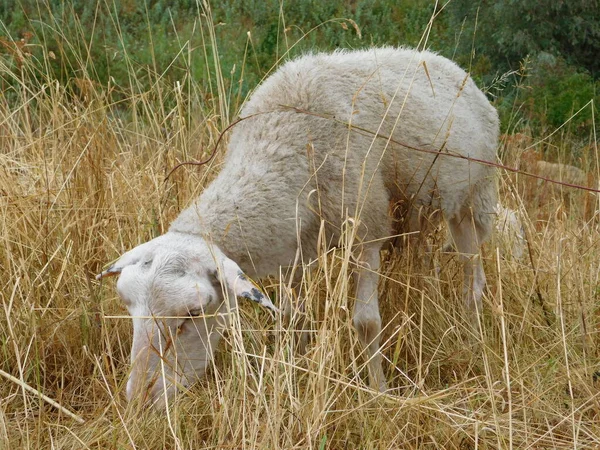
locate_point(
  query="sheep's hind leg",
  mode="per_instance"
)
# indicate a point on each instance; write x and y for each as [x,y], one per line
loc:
[467,240]
[367,320]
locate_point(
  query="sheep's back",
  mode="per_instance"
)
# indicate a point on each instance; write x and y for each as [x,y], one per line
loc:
[394,108]
[332,135]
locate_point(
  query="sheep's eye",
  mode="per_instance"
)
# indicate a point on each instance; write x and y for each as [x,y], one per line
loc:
[195,312]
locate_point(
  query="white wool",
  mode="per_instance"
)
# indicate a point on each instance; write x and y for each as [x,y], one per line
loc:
[510,235]
[561,172]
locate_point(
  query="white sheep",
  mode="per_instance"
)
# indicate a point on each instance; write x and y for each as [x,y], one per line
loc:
[328,137]
[510,234]
[561,172]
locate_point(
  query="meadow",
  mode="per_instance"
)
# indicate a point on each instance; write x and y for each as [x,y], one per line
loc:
[83,169]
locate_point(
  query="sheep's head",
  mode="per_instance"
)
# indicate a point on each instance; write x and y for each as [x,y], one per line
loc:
[175,287]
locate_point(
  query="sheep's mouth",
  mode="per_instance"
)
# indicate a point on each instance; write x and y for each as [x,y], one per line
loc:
[108,273]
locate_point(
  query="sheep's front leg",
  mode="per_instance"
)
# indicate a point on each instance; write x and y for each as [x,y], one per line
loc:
[367,320]
[293,313]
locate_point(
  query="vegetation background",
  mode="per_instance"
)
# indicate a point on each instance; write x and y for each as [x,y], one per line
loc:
[535,57]
[100,99]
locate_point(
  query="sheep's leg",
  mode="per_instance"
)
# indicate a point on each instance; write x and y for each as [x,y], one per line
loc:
[294,307]
[367,320]
[421,248]
[467,241]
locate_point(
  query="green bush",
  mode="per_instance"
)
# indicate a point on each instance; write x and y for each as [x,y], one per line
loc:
[551,94]
[132,46]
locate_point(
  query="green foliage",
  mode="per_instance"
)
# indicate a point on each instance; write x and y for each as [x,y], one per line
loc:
[129,46]
[550,94]
[507,31]
[151,34]
[558,43]
[557,91]
[101,40]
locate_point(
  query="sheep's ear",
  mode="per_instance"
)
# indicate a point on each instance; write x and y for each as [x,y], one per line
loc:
[242,286]
[127,259]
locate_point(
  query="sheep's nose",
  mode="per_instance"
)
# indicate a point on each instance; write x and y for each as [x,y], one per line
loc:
[153,392]
[139,384]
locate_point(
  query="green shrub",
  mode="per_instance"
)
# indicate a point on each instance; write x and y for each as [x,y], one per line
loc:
[552,94]
[129,47]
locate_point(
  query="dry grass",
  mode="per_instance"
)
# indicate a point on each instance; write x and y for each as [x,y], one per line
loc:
[82,180]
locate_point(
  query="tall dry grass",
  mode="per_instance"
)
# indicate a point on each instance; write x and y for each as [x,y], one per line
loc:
[82,180]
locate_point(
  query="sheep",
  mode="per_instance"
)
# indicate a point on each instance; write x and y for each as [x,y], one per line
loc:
[569,195]
[508,236]
[509,233]
[531,161]
[561,172]
[327,138]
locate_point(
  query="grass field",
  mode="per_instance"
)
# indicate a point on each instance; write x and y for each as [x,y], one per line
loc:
[82,179]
